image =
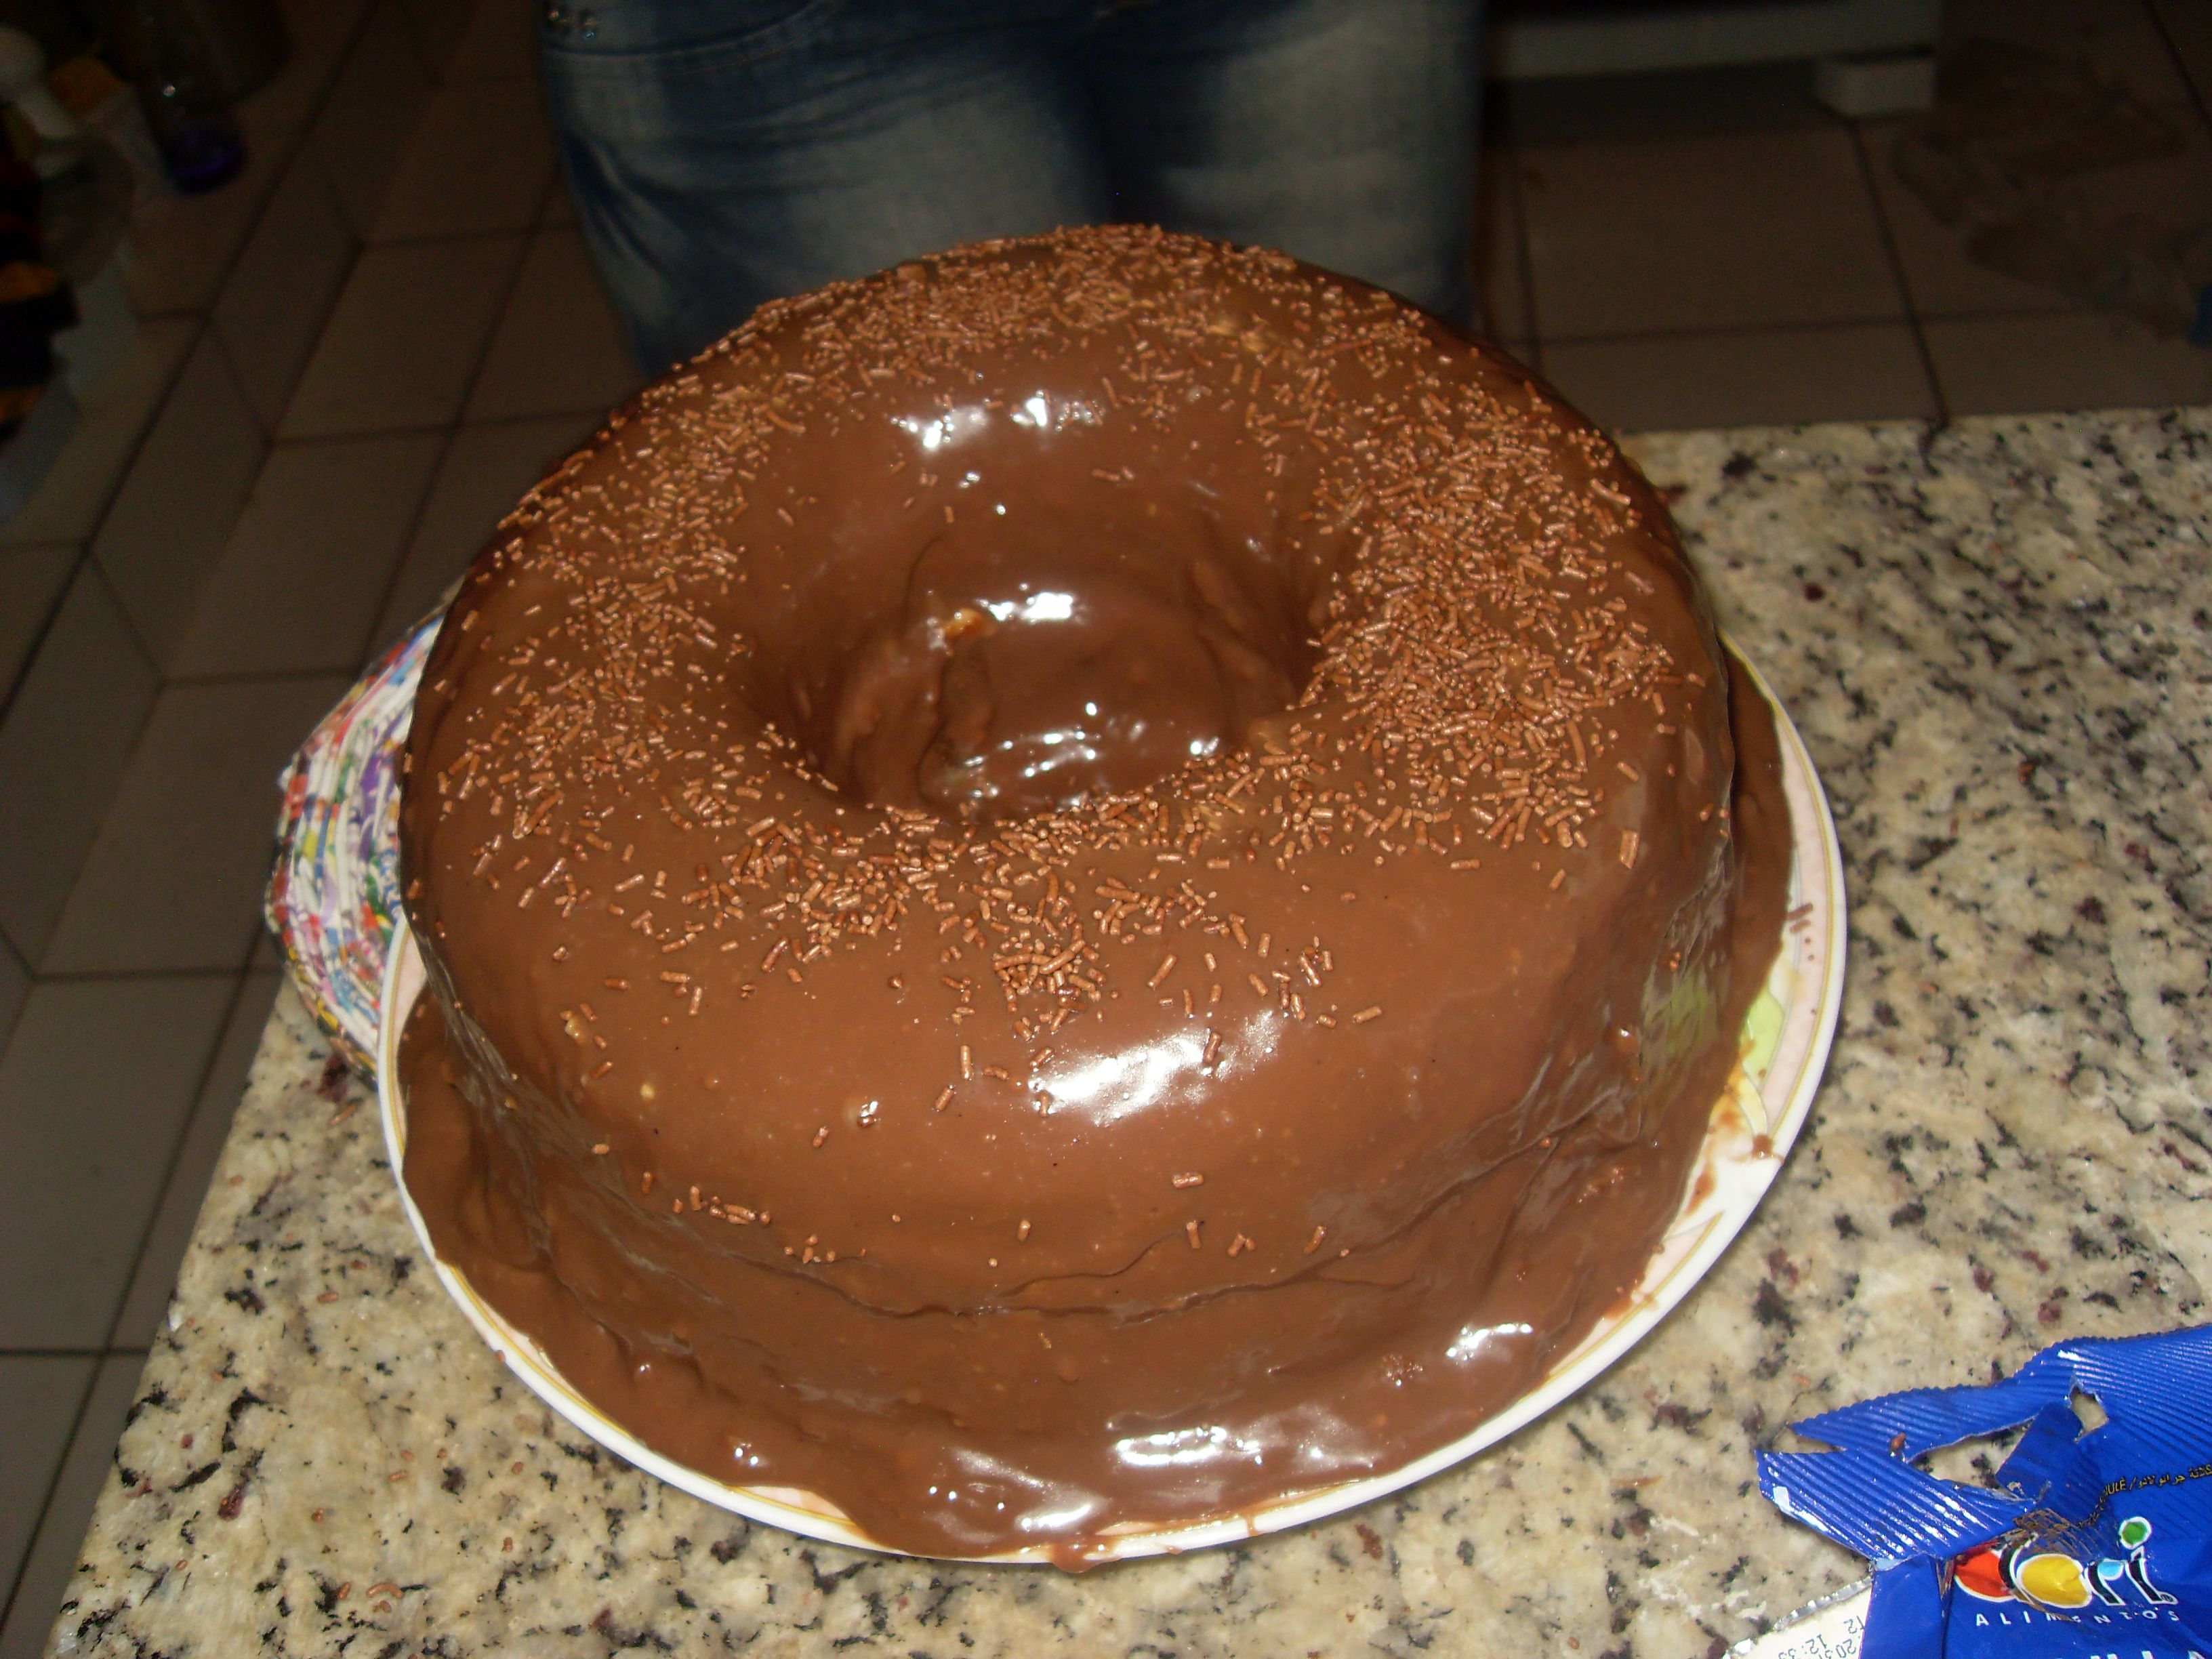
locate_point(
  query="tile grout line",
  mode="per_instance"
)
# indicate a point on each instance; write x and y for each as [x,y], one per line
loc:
[244,964]
[363,245]
[367,434]
[371,435]
[98,573]
[264,676]
[7,952]
[92,569]
[1521,253]
[132,976]
[367,645]
[439,78]
[2197,96]
[135,641]
[77,1426]
[1897,275]
[112,1349]
[84,554]
[46,1501]
[176,1153]
[208,332]
[44,626]
[452,430]
[527,229]
[524,239]
[1735,330]
[269,429]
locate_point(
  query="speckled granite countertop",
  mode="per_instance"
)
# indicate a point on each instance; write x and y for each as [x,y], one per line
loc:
[1996,640]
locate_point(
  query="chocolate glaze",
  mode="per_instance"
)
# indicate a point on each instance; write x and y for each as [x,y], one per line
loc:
[1084,884]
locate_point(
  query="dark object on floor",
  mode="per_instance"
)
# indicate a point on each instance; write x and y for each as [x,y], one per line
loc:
[35,303]
[162,48]
[36,409]
[2006,157]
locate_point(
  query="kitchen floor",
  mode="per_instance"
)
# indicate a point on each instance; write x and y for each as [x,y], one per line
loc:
[353,358]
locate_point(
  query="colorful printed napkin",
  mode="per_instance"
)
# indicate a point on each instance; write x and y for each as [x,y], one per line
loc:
[334,897]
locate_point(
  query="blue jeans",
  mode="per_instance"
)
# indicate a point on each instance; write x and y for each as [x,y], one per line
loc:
[721,152]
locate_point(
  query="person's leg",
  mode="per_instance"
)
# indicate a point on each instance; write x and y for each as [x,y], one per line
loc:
[722,152]
[1342,132]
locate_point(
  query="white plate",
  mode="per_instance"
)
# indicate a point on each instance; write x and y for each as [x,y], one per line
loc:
[1786,1044]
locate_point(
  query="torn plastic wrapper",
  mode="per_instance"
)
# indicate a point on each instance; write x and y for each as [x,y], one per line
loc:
[2096,1543]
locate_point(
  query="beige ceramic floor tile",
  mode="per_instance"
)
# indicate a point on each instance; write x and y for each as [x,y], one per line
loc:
[481,159]
[1596,109]
[1525,351]
[2118,39]
[370,117]
[1938,275]
[560,349]
[110,419]
[148,1299]
[1865,371]
[1730,231]
[85,1471]
[40,1395]
[287,280]
[275,115]
[179,247]
[175,879]
[32,582]
[1500,261]
[2078,359]
[405,337]
[485,471]
[96,1090]
[177,505]
[304,575]
[64,744]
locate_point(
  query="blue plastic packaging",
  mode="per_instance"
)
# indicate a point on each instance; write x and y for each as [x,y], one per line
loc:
[2097,1542]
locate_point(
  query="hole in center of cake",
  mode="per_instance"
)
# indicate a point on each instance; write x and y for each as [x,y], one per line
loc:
[1017,619]
[1035,666]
